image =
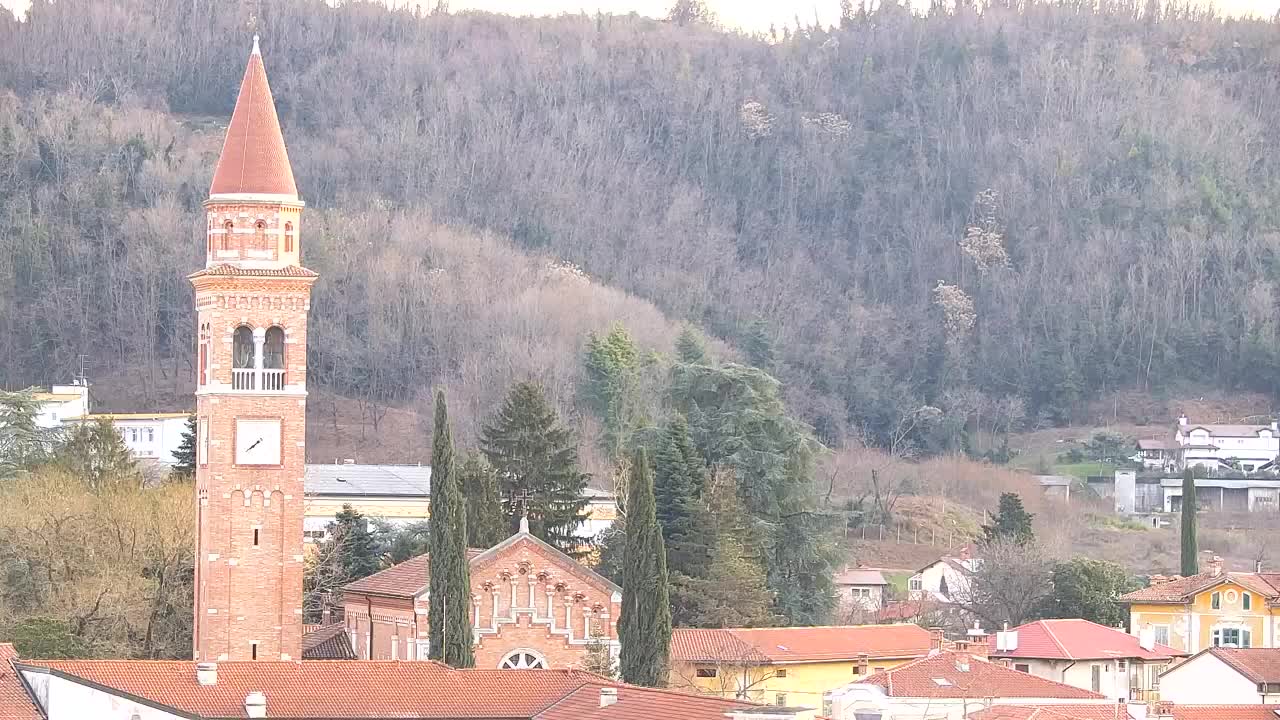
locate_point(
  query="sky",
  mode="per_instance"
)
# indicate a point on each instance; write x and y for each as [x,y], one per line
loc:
[749,15]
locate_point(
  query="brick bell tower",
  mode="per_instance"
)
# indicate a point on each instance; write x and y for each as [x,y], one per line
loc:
[251,306]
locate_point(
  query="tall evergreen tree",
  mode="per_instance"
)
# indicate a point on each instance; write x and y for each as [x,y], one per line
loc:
[185,455]
[1190,543]
[690,348]
[1012,522]
[449,611]
[23,444]
[486,525]
[644,626]
[682,517]
[536,460]
[95,452]
[355,547]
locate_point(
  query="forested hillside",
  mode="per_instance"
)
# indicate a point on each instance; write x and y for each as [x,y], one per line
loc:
[979,218]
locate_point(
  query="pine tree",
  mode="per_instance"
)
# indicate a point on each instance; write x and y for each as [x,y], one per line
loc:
[609,386]
[536,460]
[486,525]
[96,453]
[1012,522]
[185,456]
[23,444]
[449,613]
[682,517]
[644,626]
[690,349]
[1190,544]
[355,547]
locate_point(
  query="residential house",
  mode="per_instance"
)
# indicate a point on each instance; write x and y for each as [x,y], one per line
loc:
[1087,655]
[153,437]
[534,607]
[948,686]
[1163,454]
[1213,608]
[343,690]
[1244,676]
[860,590]
[62,401]
[945,579]
[1245,448]
[794,666]
[15,702]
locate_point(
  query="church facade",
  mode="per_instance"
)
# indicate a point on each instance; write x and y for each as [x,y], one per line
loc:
[532,607]
[252,299]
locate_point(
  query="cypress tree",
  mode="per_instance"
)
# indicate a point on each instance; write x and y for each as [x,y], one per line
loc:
[486,525]
[1190,545]
[683,518]
[536,460]
[644,626]
[449,611]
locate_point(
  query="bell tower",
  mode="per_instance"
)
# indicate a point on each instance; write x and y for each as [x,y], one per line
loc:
[251,299]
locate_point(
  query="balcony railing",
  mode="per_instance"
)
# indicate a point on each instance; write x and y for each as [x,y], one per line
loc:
[267,380]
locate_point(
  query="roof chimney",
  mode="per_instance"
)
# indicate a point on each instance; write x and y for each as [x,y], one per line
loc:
[255,705]
[1214,565]
[608,696]
[207,673]
[936,638]
[1182,420]
[1257,567]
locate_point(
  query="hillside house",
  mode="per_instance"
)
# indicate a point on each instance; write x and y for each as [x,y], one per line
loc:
[1244,448]
[945,579]
[860,590]
[1087,655]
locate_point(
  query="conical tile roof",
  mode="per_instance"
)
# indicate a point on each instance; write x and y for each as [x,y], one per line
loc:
[254,159]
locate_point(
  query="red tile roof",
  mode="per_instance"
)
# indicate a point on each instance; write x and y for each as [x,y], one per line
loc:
[1183,589]
[326,642]
[956,674]
[1110,711]
[406,580]
[253,157]
[355,690]
[1260,665]
[1226,712]
[231,270]
[799,644]
[1076,639]
[15,703]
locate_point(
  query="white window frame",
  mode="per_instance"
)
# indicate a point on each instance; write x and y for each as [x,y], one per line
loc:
[916,583]
[1156,631]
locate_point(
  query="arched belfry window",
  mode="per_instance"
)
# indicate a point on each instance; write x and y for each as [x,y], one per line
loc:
[242,348]
[273,349]
[288,237]
[228,228]
[260,235]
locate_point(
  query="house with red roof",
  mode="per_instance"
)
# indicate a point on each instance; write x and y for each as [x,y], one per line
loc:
[1245,676]
[1128,711]
[343,690]
[790,666]
[951,685]
[1086,655]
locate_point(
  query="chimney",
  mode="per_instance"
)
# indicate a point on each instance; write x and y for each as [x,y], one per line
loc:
[255,705]
[1164,709]
[207,673]
[326,611]
[936,638]
[1257,567]
[1214,565]
[1147,638]
[1007,641]
[1182,420]
[962,660]
[608,696]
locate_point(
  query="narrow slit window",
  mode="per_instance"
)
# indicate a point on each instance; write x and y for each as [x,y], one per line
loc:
[228,228]
[255,537]
[253,649]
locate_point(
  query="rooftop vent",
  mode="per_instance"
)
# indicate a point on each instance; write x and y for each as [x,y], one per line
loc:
[207,673]
[255,705]
[608,696]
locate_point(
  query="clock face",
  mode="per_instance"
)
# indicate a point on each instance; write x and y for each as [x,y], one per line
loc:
[258,441]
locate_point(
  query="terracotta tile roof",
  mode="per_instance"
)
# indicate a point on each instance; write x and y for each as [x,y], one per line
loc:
[365,690]
[326,642]
[1110,711]
[903,610]
[859,576]
[15,703]
[233,271]
[1226,712]
[1260,665]
[947,675]
[1184,588]
[1076,639]
[799,644]
[254,159]
[403,580]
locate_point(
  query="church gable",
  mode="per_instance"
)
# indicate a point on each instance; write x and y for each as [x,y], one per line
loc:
[526,548]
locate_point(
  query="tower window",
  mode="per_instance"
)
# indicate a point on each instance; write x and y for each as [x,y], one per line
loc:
[288,237]
[253,650]
[228,229]
[242,348]
[260,235]
[273,349]
[255,537]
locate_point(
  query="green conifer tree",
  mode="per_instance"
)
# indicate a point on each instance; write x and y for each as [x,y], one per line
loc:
[644,626]
[184,465]
[690,349]
[1190,543]
[536,460]
[449,611]
[1012,522]
[486,525]
[95,452]
[682,517]
[355,547]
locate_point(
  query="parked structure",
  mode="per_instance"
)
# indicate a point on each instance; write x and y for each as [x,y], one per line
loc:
[1213,608]
[1087,655]
[795,666]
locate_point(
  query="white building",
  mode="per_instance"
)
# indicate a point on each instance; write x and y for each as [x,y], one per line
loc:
[149,436]
[61,402]
[860,589]
[1245,448]
[945,579]
[1237,676]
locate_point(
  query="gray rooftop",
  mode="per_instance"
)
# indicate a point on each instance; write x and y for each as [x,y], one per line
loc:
[372,480]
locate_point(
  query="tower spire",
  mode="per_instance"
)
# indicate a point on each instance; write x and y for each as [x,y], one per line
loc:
[254,160]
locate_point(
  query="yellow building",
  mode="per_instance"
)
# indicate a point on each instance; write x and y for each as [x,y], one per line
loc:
[1212,609]
[398,494]
[794,666]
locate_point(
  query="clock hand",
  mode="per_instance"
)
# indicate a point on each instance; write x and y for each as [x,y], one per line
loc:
[255,444]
